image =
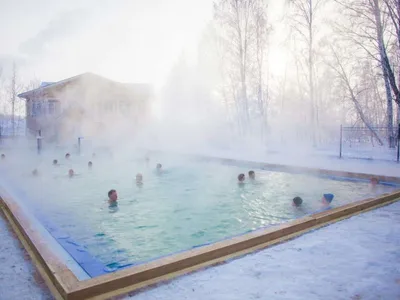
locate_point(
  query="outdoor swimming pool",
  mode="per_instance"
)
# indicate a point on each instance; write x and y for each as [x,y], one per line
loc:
[191,203]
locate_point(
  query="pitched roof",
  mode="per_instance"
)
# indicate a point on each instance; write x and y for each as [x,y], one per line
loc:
[45,86]
[50,85]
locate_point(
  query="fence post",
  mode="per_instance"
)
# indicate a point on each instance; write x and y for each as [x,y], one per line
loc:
[398,144]
[79,145]
[341,136]
[39,141]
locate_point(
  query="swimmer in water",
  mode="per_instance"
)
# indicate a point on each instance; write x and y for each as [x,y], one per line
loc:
[71,173]
[55,162]
[297,201]
[159,168]
[252,175]
[3,156]
[241,179]
[90,165]
[327,199]
[35,173]
[139,179]
[373,182]
[112,198]
[67,156]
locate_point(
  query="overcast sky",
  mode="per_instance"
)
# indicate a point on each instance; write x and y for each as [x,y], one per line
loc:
[125,40]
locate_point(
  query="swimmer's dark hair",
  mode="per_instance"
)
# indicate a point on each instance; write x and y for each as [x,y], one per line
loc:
[55,161]
[159,166]
[90,163]
[374,179]
[241,177]
[297,201]
[67,154]
[251,172]
[110,192]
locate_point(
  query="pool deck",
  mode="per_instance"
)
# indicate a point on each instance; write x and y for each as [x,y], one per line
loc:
[331,162]
[19,279]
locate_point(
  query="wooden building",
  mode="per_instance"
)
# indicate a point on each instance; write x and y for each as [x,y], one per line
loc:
[85,105]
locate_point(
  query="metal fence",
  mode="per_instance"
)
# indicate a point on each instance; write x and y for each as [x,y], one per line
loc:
[376,142]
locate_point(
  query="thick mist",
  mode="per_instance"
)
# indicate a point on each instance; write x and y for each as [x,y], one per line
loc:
[260,90]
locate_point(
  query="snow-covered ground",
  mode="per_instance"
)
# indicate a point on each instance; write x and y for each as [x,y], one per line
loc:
[357,258]
[18,277]
[378,167]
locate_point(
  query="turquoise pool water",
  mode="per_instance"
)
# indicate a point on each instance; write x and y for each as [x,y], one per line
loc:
[191,203]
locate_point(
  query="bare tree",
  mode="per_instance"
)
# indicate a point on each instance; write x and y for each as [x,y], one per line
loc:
[3,99]
[261,38]
[242,26]
[338,65]
[383,57]
[233,16]
[14,89]
[302,21]
[393,10]
[369,28]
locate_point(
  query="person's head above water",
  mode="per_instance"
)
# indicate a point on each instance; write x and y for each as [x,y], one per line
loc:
[67,156]
[112,195]
[241,177]
[139,178]
[90,164]
[297,201]
[3,156]
[252,175]
[55,161]
[35,172]
[71,173]
[374,181]
[159,166]
[327,198]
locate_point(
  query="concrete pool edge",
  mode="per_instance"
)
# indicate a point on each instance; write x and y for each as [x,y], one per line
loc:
[307,170]
[64,284]
[279,167]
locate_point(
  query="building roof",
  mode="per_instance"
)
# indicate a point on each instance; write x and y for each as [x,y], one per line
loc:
[50,85]
[45,83]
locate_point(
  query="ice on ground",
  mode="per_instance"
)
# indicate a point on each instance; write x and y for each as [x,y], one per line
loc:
[358,258]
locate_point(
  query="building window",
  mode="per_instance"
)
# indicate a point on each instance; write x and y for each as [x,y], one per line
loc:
[125,107]
[36,108]
[99,107]
[53,107]
[109,106]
